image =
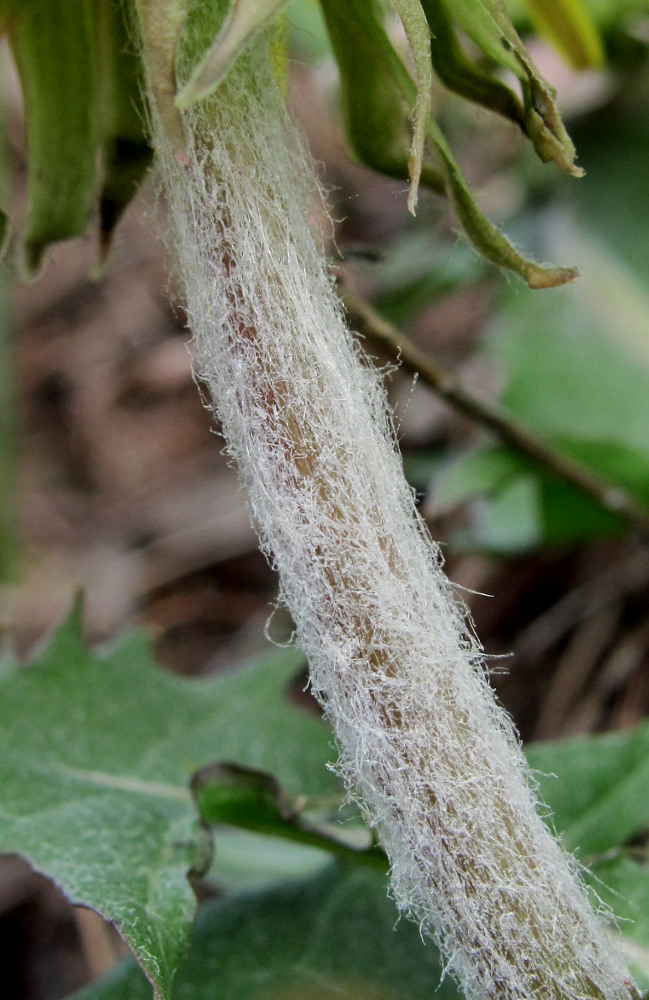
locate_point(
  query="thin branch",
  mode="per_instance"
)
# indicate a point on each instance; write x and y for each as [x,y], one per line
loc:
[610,496]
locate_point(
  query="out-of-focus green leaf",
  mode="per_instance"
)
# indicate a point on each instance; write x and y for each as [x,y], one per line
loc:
[96,753]
[587,397]
[564,377]
[126,150]
[308,33]
[418,269]
[622,884]
[8,421]
[613,204]
[524,506]
[332,936]
[596,787]
[483,470]
[570,27]
[55,46]
[488,24]
[247,860]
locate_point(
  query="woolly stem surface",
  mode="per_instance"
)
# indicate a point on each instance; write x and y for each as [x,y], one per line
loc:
[424,746]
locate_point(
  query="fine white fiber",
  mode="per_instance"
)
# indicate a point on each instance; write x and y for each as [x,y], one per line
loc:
[424,747]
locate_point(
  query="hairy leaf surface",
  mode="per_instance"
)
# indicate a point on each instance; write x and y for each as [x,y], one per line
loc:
[332,937]
[96,754]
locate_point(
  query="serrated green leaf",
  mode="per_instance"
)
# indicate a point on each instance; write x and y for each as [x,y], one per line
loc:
[126,151]
[600,797]
[245,19]
[55,46]
[96,753]
[332,937]
[569,26]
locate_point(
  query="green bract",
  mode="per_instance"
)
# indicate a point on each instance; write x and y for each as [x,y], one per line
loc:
[86,148]
[86,132]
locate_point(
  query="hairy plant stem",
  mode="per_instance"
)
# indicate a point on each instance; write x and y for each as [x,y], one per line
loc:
[424,747]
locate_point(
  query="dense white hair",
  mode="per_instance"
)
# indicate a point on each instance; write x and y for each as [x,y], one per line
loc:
[424,747]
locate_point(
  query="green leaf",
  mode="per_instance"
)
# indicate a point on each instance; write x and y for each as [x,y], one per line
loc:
[482,470]
[376,91]
[596,788]
[332,937]
[96,754]
[623,885]
[485,237]
[489,25]
[613,203]
[418,270]
[567,379]
[254,800]
[418,35]
[525,506]
[127,154]
[457,72]
[247,860]
[308,37]
[570,27]
[583,394]
[599,798]
[374,86]
[55,46]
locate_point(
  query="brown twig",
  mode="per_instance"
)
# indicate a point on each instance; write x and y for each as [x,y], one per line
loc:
[610,496]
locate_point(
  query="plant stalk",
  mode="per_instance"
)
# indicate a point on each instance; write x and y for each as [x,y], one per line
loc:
[424,746]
